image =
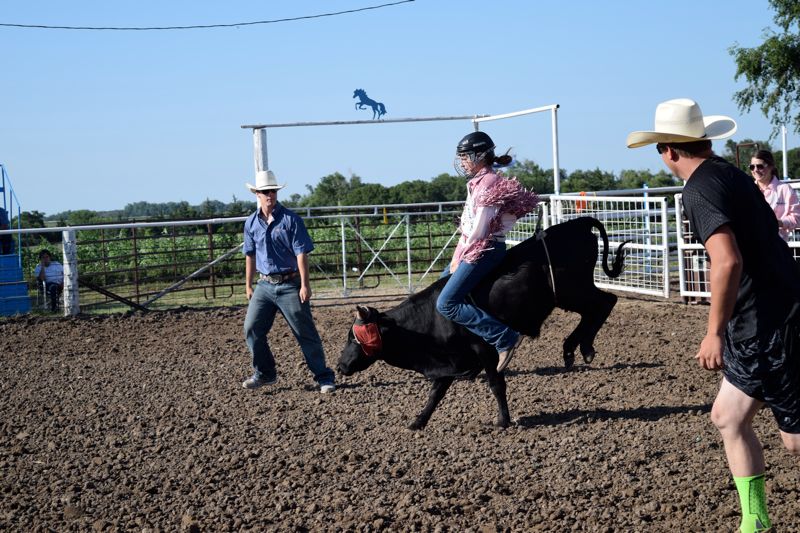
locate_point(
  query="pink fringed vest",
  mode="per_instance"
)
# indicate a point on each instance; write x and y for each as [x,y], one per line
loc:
[489,190]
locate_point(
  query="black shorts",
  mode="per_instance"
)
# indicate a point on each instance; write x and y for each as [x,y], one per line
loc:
[767,368]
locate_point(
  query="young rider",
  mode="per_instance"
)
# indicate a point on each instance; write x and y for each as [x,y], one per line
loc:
[492,207]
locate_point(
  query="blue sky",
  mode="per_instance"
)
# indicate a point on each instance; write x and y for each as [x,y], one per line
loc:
[99,119]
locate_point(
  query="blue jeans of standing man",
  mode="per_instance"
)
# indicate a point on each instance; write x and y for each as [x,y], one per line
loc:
[266,301]
[53,294]
[451,302]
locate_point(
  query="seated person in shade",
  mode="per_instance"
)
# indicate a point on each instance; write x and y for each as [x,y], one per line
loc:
[6,241]
[780,196]
[52,274]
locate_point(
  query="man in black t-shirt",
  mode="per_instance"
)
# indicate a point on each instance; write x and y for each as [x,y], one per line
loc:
[753,322]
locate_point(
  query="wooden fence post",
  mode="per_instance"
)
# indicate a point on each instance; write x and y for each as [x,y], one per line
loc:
[260,150]
[70,251]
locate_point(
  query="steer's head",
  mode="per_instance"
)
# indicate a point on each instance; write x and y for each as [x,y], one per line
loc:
[364,343]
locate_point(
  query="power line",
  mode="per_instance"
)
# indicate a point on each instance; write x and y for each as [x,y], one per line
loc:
[199,27]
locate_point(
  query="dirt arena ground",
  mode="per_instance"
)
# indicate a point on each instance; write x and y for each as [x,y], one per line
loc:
[139,422]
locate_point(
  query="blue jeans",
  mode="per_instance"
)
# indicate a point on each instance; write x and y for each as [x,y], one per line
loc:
[451,302]
[53,294]
[266,301]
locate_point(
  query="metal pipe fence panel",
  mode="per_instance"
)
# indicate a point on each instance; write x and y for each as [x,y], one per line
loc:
[641,222]
[360,251]
[172,264]
[694,275]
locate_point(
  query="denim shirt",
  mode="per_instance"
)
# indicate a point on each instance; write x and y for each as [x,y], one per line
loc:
[277,245]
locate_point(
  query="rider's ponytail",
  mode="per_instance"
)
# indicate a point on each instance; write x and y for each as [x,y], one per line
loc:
[502,161]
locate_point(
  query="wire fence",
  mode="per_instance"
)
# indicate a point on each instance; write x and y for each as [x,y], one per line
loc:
[391,250]
[694,265]
[364,251]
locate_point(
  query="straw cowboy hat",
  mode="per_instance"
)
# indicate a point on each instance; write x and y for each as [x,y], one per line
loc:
[265,181]
[681,121]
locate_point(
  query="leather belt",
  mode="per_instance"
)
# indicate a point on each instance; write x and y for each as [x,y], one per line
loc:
[276,279]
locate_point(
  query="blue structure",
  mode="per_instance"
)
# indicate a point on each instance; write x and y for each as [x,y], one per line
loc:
[378,109]
[14,297]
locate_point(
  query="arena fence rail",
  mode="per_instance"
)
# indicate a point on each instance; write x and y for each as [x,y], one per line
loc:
[361,251]
[693,266]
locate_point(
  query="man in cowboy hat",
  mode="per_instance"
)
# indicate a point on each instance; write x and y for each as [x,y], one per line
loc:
[276,247]
[753,320]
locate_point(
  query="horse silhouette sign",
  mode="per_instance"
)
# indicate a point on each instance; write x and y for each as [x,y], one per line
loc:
[378,109]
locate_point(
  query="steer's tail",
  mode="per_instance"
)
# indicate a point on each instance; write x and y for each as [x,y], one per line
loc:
[619,258]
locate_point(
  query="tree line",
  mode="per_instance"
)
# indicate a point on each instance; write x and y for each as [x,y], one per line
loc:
[337,189]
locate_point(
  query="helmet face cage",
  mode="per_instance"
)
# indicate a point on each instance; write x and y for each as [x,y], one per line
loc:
[475,147]
[473,157]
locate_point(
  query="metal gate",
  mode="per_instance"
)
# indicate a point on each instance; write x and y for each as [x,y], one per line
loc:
[693,263]
[642,222]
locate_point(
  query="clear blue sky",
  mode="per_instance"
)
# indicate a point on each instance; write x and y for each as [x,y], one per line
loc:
[99,119]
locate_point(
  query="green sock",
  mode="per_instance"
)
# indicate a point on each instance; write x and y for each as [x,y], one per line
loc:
[753,497]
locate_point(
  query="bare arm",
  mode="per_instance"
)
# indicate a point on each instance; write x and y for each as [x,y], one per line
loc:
[305,286]
[791,218]
[726,271]
[249,271]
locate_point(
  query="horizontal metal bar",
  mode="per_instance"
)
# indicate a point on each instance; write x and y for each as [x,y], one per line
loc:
[160,224]
[213,221]
[651,191]
[353,122]
[486,118]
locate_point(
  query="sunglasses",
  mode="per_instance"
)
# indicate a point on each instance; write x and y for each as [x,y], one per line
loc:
[758,166]
[268,191]
[661,148]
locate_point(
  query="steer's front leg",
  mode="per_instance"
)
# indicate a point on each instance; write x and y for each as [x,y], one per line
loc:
[438,389]
[497,384]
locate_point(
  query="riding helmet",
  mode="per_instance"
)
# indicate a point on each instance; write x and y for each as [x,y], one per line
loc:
[475,142]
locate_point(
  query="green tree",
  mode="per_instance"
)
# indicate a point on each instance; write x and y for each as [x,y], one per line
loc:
[589,180]
[368,194]
[239,207]
[532,176]
[411,192]
[211,208]
[331,190]
[34,219]
[82,217]
[636,179]
[29,219]
[772,70]
[792,163]
[746,149]
[182,211]
[448,188]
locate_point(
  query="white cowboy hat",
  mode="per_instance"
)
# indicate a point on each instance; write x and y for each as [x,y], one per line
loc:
[681,121]
[265,181]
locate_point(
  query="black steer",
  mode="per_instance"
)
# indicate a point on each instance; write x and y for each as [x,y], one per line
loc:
[519,292]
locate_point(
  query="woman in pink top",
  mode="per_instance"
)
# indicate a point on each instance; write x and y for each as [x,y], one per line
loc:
[781,197]
[492,207]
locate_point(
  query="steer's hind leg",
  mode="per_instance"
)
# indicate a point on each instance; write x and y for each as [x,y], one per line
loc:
[572,341]
[603,305]
[438,389]
[594,310]
[497,384]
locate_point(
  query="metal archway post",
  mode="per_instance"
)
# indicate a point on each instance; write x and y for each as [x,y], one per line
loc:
[553,126]
[260,136]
